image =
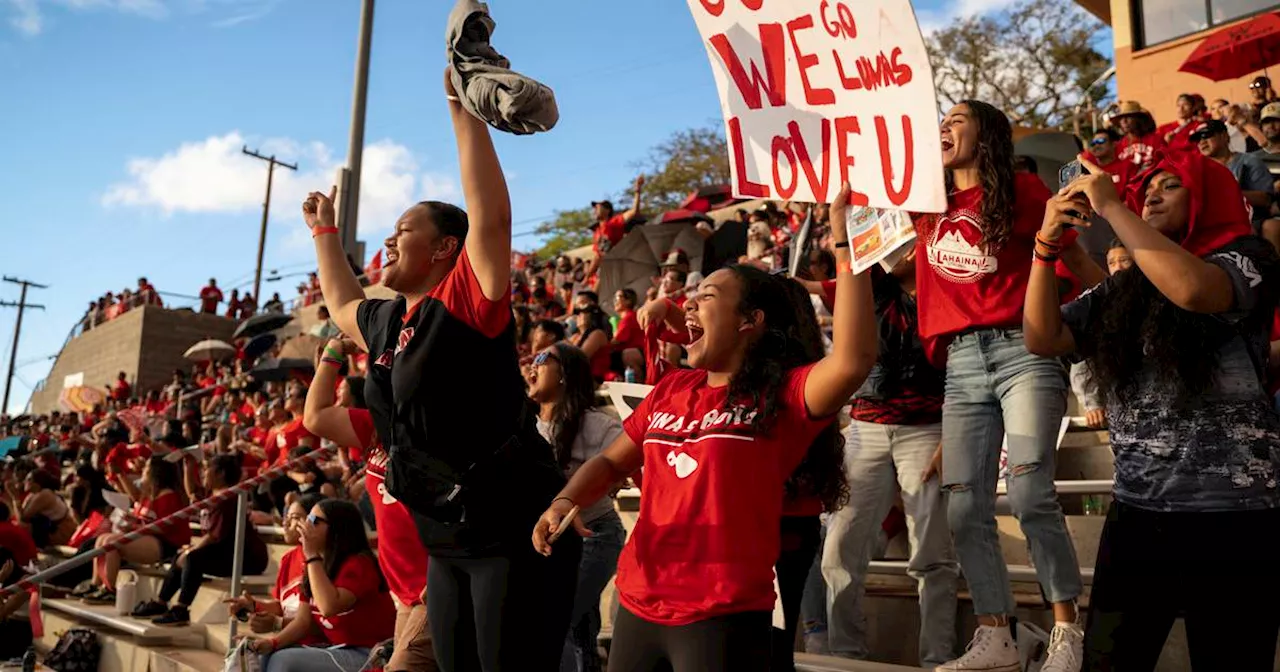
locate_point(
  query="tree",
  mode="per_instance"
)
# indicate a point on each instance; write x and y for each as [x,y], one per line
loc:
[567,231]
[688,160]
[1035,61]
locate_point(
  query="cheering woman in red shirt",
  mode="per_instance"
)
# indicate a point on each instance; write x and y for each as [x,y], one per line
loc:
[448,402]
[972,266]
[718,444]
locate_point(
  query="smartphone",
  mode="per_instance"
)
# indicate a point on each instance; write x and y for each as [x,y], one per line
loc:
[1069,172]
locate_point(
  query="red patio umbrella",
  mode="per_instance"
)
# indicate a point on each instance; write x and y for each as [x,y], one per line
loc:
[1237,50]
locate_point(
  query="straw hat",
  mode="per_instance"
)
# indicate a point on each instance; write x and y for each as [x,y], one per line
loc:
[1130,108]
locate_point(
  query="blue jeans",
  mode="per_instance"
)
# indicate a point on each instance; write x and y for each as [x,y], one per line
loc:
[599,561]
[996,389]
[315,659]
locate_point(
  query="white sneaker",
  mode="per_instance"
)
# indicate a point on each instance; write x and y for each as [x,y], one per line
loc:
[992,650]
[1066,649]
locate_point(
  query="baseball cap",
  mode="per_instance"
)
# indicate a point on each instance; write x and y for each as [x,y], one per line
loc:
[607,204]
[1207,129]
[1271,111]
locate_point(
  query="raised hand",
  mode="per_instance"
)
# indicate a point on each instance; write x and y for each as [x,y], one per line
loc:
[318,209]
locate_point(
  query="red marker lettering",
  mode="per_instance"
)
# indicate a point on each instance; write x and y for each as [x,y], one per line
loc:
[745,186]
[774,83]
[805,61]
[896,196]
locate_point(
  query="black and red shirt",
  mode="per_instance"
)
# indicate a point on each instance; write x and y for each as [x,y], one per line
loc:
[446,395]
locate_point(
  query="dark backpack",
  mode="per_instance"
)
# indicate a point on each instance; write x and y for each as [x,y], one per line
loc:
[77,650]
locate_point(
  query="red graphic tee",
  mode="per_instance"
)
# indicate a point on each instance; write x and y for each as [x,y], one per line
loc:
[400,552]
[706,539]
[1141,152]
[371,620]
[177,532]
[961,285]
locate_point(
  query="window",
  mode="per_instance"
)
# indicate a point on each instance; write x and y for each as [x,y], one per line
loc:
[1163,20]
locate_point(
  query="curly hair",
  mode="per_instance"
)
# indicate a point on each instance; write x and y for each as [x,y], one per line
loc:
[1140,330]
[792,338]
[578,400]
[995,170]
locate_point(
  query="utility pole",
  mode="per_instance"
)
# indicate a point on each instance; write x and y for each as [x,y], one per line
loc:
[347,219]
[22,306]
[272,162]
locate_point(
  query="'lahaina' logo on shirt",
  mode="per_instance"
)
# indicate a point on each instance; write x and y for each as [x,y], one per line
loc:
[954,250]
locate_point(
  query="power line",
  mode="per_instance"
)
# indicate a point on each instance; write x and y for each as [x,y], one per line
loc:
[22,307]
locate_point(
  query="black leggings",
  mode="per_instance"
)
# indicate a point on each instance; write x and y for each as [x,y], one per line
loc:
[801,536]
[503,613]
[1216,570]
[77,575]
[731,643]
[214,559]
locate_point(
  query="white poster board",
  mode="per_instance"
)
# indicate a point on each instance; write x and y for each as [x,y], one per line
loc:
[817,93]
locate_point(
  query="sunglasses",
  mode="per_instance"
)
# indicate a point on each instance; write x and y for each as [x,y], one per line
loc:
[544,357]
[316,520]
[1098,142]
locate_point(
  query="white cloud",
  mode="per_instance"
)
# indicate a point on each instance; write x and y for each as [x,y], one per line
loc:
[214,176]
[29,16]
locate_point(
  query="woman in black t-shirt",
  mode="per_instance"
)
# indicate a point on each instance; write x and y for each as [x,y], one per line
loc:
[446,396]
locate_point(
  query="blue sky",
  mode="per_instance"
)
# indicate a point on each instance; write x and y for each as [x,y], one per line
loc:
[124,120]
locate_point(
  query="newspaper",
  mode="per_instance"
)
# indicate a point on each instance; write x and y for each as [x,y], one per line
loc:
[876,235]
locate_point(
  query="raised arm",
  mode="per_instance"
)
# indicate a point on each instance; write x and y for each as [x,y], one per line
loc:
[635,204]
[1188,281]
[338,283]
[854,338]
[320,416]
[1042,327]
[484,188]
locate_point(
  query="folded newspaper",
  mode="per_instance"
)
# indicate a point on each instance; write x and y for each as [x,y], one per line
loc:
[878,236]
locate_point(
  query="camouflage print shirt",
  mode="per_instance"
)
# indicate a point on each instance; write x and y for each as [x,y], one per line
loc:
[1221,450]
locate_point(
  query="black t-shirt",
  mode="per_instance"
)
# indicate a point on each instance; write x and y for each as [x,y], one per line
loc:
[446,395]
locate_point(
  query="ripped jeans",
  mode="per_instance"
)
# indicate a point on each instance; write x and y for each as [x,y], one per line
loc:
[996,388]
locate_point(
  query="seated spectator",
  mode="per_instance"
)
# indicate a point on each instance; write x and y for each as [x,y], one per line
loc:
[1269,127]
[344,596]
[546,332]
[44,510]
[1250,172]
[592,337]
[627,348]
[1141,141]
[16,539]
[92,516]
[1191,113]
[212,554]
[158,498]
[279,614]
[210,297]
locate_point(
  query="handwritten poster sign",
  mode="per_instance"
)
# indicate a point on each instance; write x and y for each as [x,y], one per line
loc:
[819,92]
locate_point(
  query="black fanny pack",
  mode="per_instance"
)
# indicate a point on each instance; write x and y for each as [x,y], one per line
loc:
[434,488]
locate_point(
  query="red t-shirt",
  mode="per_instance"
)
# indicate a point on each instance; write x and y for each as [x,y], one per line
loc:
[210,297]
[1181,139]
[400,552]
[1141,153]
[288,438]
[959,285]
[121,390]
[178,532]
[372,619]
[18,540]
[706,539]
[119,458]
[629,334]
[611,232]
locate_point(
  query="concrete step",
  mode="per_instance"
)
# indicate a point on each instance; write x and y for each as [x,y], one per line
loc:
[172,659]
[806,662]
[105,616]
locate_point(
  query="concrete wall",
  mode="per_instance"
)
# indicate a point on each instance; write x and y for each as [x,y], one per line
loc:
[146,343]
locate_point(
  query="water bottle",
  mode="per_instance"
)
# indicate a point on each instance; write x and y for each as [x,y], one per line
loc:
[630,375]
[29,660]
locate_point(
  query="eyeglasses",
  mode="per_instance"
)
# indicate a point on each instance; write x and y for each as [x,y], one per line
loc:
[316,520]
[544,357]
[1098,142]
